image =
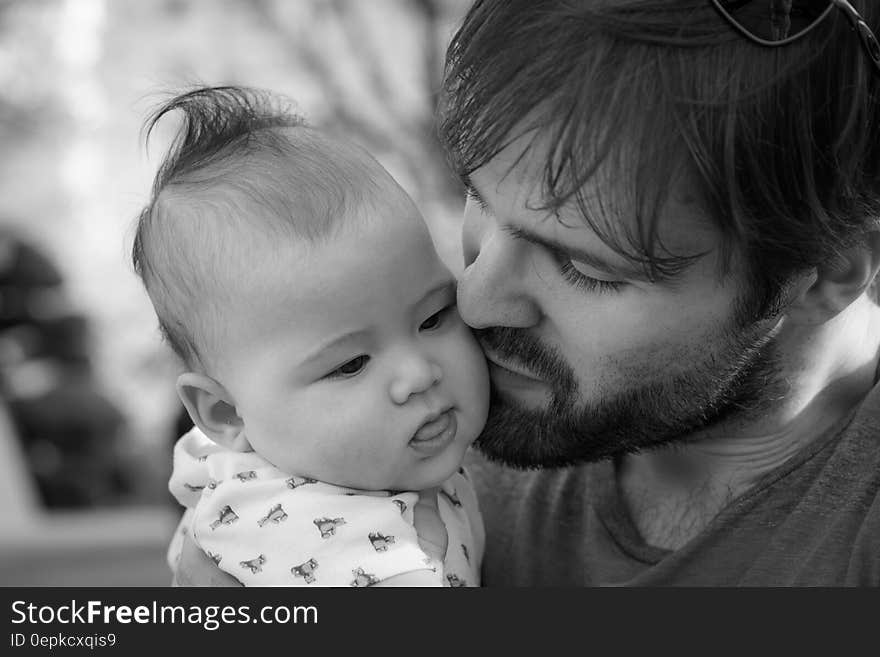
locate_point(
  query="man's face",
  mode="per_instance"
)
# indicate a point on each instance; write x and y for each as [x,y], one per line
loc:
[588,359]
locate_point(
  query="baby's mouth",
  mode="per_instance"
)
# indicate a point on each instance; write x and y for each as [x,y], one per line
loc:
[433,428]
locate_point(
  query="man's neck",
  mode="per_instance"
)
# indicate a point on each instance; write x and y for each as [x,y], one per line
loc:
[673,493]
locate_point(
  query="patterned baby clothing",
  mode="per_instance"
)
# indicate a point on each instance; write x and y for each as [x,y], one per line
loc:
[266,527]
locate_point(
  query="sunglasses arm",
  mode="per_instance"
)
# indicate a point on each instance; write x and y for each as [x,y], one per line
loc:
[869,41]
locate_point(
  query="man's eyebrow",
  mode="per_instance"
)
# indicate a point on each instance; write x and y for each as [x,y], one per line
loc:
[340,341]
[581,255]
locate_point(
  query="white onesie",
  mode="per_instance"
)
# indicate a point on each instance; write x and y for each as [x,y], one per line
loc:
[266,527]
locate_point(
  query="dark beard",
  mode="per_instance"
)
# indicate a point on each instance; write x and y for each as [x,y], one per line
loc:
[739,380]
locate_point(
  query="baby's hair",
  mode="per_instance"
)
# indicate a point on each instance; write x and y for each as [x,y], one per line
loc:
[236,150]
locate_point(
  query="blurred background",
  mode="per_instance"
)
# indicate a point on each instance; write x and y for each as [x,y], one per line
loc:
[88,412]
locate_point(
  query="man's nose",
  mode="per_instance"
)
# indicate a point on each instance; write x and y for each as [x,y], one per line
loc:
[491,290]
[415,374]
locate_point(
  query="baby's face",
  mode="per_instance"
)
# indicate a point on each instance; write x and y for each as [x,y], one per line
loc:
[348,361]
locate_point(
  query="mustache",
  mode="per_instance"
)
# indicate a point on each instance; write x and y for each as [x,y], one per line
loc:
[521,347]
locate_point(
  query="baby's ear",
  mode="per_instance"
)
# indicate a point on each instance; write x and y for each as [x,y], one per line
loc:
[212,410]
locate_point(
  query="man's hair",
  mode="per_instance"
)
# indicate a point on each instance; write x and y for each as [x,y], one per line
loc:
[784,143]
[237,150]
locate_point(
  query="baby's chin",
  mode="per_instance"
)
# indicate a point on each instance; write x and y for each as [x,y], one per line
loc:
[434,471]
[420,479]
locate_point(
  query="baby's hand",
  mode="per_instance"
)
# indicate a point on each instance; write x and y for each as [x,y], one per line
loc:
[430,527]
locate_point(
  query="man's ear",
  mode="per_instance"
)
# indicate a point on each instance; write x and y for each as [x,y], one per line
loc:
[838,283]
[212,410]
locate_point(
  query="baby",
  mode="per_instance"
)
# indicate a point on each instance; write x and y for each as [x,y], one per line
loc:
[333,385]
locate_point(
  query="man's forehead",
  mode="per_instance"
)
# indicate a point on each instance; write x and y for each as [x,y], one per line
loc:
[516,179]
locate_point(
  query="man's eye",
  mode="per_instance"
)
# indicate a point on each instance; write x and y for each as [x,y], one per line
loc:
[349,369]
[472,194]
[582,281]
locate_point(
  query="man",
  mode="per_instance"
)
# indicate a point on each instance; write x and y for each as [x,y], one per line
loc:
[670,250]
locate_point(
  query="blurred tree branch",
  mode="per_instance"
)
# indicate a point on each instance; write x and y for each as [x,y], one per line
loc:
[335,39]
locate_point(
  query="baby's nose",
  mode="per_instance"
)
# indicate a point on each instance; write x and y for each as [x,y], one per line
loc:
[415,376]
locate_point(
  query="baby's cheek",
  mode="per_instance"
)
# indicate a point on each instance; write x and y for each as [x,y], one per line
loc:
[469,382]
[348,441]
[477,371]
[360,437]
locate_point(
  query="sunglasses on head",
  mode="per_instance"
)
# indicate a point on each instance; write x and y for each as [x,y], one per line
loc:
[778,22]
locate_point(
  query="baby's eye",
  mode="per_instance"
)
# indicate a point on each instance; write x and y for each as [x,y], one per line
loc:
[349,369]
[435,320]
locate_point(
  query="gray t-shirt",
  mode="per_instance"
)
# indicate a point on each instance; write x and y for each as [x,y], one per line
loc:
[813,521]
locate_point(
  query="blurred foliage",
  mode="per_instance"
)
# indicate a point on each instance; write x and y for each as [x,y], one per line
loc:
[364,82]
[71,434]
